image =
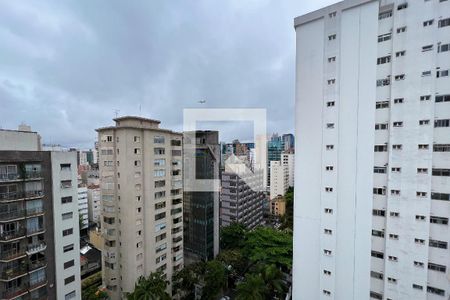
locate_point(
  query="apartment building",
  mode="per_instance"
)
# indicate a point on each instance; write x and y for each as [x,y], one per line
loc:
[242,198]
[142,197]
[94,203]
[278,206]
[39,237]
[373,177]
[201,207]
[288,160]
[279,179]
[275,146]
[83,207]
[288,141]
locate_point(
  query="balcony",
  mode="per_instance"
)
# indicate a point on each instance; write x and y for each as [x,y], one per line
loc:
[38,283]
[35,248]
[12,273]
[37,264]
[17,176]
[11,196]
[34,194]
[12,254]
[9,177]
[12,215]
[34,211]
[177,239]
[14,292]
[35,230]
[33,175]
[12,235]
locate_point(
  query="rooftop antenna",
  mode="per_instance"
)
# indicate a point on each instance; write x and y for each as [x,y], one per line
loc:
[116,112]
[140,110]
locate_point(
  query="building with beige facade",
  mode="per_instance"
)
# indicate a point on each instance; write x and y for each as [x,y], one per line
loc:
[142,194]
[278,206]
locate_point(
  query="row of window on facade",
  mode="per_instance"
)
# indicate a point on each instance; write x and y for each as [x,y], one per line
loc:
[438,99]
[433,219]
[158,139]
[394,192]
[430,289]
[387,36]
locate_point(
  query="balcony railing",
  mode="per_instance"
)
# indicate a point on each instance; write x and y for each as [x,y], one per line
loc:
[36,264]
[12,273]
[37,283]
[11,215]
[13,234]
[17,176]
[177,239]
[9,177]
[34,211]
[32,194]
[35,230]
[12,254]
[33,175]
[36,247]
[15,291]
[11,196]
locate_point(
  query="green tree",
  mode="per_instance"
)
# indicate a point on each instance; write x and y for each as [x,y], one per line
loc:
[151,288]
[273,279]
[269,246]
[232,236]
[214,279]
[288,219]
[234,259]
[252,288]
[184,281]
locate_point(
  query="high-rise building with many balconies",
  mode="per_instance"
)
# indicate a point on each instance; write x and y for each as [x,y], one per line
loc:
[39,236]
[142,202]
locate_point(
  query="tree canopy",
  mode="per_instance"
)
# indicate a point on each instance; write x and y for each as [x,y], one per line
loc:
[152,287]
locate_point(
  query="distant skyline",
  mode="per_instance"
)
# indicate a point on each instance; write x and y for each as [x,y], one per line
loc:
[66,67]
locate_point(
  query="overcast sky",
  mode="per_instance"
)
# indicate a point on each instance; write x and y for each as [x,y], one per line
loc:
[66,66]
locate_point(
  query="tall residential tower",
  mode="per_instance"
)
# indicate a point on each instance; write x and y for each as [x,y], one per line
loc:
[142,194]
[373,151]
[39,237]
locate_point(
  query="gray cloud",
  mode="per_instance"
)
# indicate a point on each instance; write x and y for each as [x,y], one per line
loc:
[67,65]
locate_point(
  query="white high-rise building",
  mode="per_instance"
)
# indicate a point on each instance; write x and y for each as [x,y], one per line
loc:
[142,202]
[288,160]
[373,158]
[94,203]
[83,206]
[279,179]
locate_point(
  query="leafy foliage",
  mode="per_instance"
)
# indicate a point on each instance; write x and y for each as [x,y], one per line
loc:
[234,259]
[90,288]
[151,288]
[184,281]
[288,219]
[269,246]
[232,236]
[252,288]
[215,279]
[254,258]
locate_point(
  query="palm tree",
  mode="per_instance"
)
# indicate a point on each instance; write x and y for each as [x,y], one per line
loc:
[252,288]
[273,279]
[151,288]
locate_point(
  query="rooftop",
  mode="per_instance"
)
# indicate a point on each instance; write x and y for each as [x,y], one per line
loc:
[136,118]
[320,13]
